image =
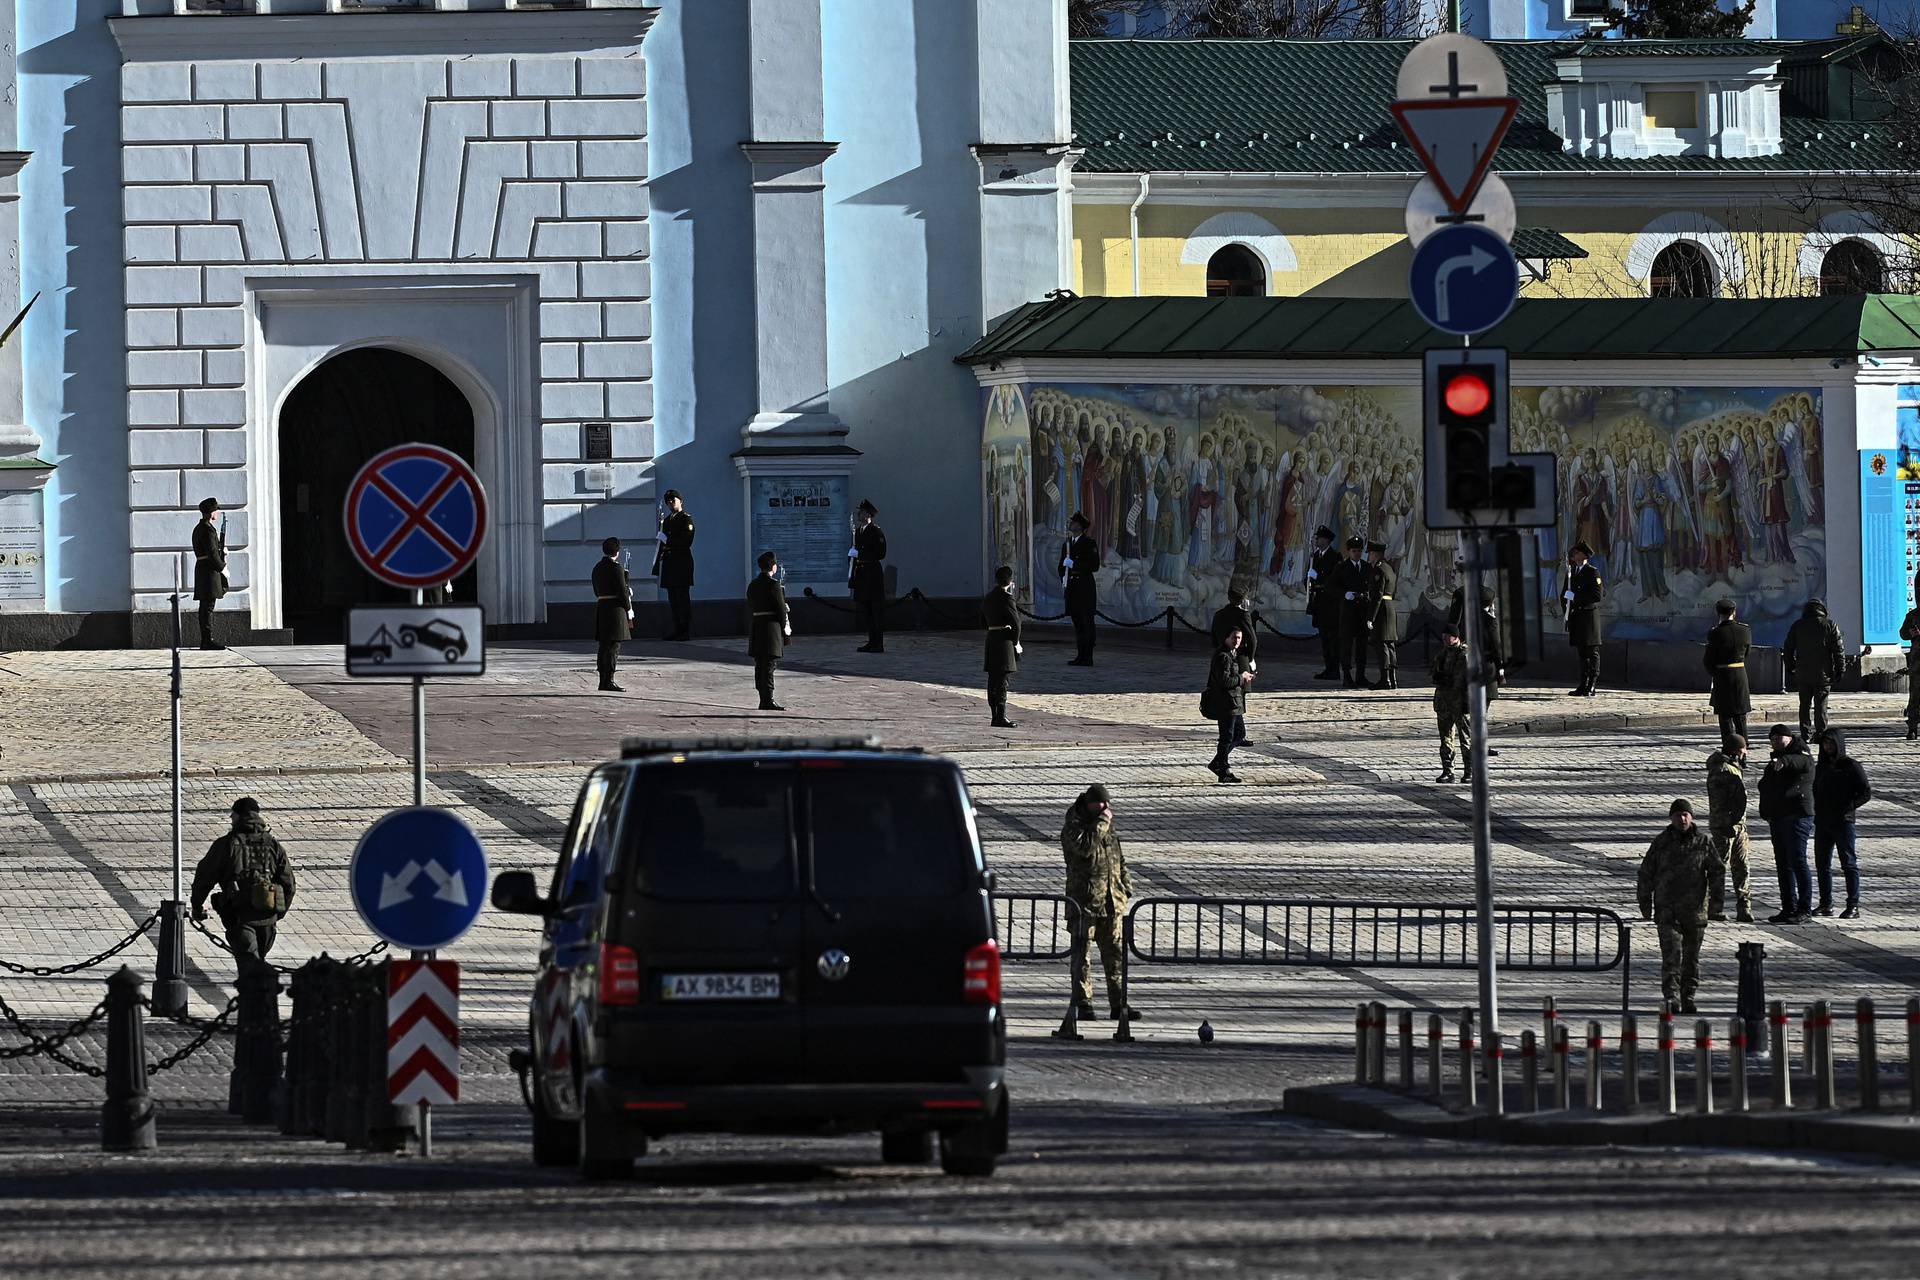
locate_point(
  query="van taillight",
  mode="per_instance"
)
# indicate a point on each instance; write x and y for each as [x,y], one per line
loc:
[980,983]
[620,975]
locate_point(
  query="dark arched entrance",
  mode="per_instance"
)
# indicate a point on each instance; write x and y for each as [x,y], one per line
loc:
[341,414]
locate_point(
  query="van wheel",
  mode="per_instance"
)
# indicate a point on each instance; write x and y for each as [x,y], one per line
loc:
[969,1151]
[556,1143]
[906,1148]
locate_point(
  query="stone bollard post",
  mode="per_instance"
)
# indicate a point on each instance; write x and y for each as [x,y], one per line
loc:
[1376,1044]
[1361,1020]
[1562,1081]
[1781,1064]
[336,1118]
[126,1118]
[1869,1050]
[1809,1040]
[320,1050]
[1594,1045]
[1823,1084]
[353,1057]
[1630,1061]
[1668,1101]
[299,1060]
[1492,1055]
[259,1039]
[1436,1044]
[1469,1076]
[1737,1064]
[1530,1070]
[1549,1019]
[1703,1067]
[1406,1049]
[389,1127]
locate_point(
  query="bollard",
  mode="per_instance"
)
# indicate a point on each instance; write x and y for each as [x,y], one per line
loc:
[1869,1051]
[1406,1050]
[1436,1038]
[293,1078]
[1360,1023]
[126,1118]
[1913,1053]
[1530,1070]
[169,996]
[1594,1045]
[1808,1035]
[258,1041]
[1493,1055]
[336,1119]
[1630,1061]
[1823,1090]
[1668,1102]
[320,1049]
[1376,1044]
[1752,1002]
[1549,1016]
[389,1127]
[1782,1067]
[1469,1078]
[1562,1082]
[1737,1063]
[1703,1067]
[353,1056]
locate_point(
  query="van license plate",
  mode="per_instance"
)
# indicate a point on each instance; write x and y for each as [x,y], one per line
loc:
[719,986]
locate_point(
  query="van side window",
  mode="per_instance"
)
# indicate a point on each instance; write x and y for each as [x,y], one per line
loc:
[594,844]
[886,833]
[586,819]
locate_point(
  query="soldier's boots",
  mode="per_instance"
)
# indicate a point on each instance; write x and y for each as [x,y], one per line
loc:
[608,686]
[1000,720]
[1083,1010]
[1129,1014]
[1687,1005]
[1446,775]
[1913,730]
[768,704]
[1746,914]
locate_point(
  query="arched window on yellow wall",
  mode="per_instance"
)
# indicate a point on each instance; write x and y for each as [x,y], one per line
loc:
[1236,272]
[1681,270]
[1852,266]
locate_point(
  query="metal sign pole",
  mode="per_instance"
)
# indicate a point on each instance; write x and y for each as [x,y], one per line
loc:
[1477,674]
[170,956]
[419,799]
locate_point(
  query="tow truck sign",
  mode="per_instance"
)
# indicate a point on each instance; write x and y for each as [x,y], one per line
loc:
[417,640]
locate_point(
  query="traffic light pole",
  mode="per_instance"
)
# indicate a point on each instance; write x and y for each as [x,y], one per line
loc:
[1478,674]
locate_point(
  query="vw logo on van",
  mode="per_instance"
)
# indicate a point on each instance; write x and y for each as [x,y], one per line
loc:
[833,965]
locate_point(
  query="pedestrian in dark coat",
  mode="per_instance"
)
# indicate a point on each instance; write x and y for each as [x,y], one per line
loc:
[612,611]
[1383,618]
[1079,562]
[1726,659]
[1786,805]
[209,569]
[1226,700]
[867,576]
[1237,613]
[1323,602]
[1673,883]
[1582,597]
[673,564]
[769,625]
[1002,616]
[1910,632]
[1356,611]
[1840,787]
[1814,656]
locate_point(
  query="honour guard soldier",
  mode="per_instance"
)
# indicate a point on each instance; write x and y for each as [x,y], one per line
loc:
[673,564]
[209,569]
[1732,699]
[1003,643]
[1384,621]
[1350,584]
[1582,596]
[1079,561]
[612,610]
[1238,613]
[1323,602]
[867,576]
[769,627]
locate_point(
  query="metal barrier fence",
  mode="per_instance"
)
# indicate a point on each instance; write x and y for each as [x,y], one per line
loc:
[1042,926]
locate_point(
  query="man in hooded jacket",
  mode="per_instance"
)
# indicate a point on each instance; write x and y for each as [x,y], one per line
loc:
[1786,803]
[1814,657]
[1840,787]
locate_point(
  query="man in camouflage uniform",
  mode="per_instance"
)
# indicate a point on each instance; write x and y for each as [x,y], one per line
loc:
[1097,880]
[254,879]
[1727,825]
[1450,705]
[1674,878]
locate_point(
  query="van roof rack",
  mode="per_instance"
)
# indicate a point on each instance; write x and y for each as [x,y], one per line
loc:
[637,748]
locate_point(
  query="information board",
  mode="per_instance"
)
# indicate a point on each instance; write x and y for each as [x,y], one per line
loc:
[23,570]
[806,521]
[1889,545]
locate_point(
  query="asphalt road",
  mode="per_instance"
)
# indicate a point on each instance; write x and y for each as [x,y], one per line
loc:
[1087,1190]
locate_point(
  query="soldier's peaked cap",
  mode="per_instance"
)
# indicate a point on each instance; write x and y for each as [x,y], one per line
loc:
[1725,604]
[1583,549]
[868,507]
[1080,519]
[1381,547]
[1451,629]
[1323,532]
[1355,541]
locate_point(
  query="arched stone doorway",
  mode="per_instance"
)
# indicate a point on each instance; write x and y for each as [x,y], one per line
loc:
[342,413]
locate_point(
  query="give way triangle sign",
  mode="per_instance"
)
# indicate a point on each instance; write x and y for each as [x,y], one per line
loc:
[1455,139]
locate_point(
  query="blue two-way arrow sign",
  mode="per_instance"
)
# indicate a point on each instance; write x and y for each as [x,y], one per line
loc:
[418,877]
[1464,279]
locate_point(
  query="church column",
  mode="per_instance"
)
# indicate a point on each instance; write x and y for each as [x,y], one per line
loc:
[22,473]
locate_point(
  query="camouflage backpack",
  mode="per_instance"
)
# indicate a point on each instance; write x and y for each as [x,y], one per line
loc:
[253,866]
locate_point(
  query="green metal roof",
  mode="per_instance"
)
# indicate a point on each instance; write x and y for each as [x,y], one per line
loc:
[1615,48]
[1544,242]
[1320,106]
[1388,328]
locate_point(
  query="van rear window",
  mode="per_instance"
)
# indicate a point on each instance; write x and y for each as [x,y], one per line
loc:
[713,832]
[888,833]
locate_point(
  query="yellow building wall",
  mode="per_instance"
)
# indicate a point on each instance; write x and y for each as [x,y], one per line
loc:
[1364,253]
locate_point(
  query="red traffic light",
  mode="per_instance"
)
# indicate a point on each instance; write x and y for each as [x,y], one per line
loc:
[1467,394]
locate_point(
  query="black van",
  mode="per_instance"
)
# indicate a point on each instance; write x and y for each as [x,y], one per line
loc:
[783,937]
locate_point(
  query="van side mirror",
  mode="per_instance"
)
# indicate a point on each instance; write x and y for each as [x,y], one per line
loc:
[517,893]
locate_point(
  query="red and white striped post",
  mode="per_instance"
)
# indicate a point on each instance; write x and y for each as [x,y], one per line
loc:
[1562,1083]
[1469,1077]
[1406,1049]
[1493,1054]
[1361,1021]
[1737,1063]
[1436,1045]
[1630,1060]
[1530,1070]
[1782,1066]
[1594,1045]
[1913,1053]
[1869,1052]
[1376,1044]
[1668,1101]
[1823,1084]
[1703,1067]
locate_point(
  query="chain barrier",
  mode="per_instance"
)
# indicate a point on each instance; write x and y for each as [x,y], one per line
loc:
[208,1029]
[49,1046]
[363,957]
[56,970]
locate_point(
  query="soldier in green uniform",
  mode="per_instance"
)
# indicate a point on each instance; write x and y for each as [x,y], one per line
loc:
[1726,660]
[1727,827]
[1237,613]
[1814,656]
[1350,585]
[1674,879]
[1323,602]
[1582,598]
[867,576]
[254,879]
[209,569]
[673,564]
[1489,633]
[612,611]
[1382,617]
[769,627]
[1450,705]
[1098,881]
[1003,643]
[1910,632]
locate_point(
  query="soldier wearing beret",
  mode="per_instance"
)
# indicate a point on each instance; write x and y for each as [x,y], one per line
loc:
[1323,602]
[1382,617]
[1581,597]
[769,627]
[1002,617]
[1350,586]
[1726,659]
[867,575]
